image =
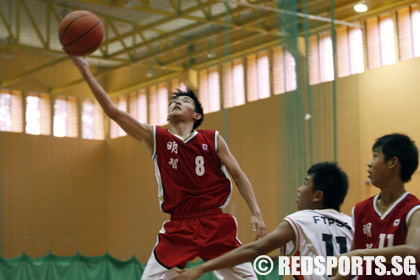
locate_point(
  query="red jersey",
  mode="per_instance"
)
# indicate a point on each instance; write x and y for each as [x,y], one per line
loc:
[190,176]
[376,230]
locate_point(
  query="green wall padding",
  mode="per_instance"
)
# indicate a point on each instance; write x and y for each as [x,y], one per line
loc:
[79,267]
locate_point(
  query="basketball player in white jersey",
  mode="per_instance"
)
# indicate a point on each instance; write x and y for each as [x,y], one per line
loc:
[318,229]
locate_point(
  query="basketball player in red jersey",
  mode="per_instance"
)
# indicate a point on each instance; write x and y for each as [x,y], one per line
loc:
[388,224]
[193,184]
[317,229]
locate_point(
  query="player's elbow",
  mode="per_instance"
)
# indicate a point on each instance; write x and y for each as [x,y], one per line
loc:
[239,178]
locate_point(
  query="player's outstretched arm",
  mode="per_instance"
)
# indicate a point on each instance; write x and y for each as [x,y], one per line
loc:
[410,248]
[243,184]
[247,253]
[140,131]
[336,275]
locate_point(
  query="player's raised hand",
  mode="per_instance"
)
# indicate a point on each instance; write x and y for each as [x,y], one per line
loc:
[258,226]
[80,62]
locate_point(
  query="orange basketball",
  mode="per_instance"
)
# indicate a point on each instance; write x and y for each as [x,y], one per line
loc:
[81,32]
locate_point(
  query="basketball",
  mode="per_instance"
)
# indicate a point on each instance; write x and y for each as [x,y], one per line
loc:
[81,32]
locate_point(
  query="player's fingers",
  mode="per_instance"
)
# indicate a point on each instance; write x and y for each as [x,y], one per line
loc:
[261,231]
[254,226]
[257,232]
[178,270]
[68,53]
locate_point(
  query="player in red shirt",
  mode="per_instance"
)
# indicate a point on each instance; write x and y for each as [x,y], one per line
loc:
[317,229]
[191,170]
[388,224]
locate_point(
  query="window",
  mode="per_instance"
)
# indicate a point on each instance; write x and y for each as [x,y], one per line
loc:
[138,105]
[115,130]
[321,61]
[284,71]
[233,84]
[11,113]
[209,89]
[258,78]
[65,116]
[5,111]
[158,104]
[408,22]
[92,120]
[177,84]
[350,58]
[380,41]
[38,114]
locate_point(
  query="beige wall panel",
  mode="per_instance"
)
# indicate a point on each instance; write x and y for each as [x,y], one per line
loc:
[65,196]
[93,197]
[45,180]
[389,101]
[348,139]
[12,183]
[253,143]
[134,212]
[32,202]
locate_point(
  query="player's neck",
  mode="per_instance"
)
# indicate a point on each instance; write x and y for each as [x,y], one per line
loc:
[181,129]
[388,196]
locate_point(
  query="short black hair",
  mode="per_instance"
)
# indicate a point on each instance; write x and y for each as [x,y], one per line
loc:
[329,178]
[190,93]
[400,146]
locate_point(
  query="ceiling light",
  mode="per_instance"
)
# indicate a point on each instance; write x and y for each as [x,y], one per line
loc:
[360,7]
[211,54]
[151,73]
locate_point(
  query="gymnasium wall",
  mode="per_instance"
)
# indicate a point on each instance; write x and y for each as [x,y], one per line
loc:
[105,193]
[380,101]
[53,195]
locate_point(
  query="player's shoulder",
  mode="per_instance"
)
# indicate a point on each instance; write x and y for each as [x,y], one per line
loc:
[365,203]
[328,213]
[160,129]
[207,131]
[162,134]
[209,134]
[320,217]
[410,204]
[334,214]
[298,216]
[412,199]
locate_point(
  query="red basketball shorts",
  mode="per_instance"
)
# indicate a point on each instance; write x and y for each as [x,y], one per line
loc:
[206,235]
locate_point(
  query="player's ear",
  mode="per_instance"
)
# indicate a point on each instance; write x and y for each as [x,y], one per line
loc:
[197,116]
[318,196]
[393,162]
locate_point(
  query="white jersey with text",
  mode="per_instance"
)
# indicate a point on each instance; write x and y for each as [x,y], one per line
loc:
[319,233]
